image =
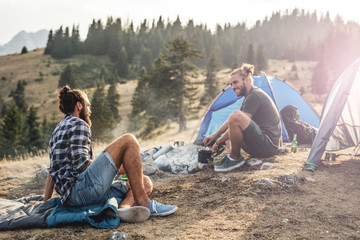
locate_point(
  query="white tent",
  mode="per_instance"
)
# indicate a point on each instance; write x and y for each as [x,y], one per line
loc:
[340,122]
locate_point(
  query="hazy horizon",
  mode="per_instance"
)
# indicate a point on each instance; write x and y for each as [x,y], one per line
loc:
[32,16]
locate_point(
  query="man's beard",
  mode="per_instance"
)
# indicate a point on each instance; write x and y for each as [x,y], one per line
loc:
[85,117]
[242,91]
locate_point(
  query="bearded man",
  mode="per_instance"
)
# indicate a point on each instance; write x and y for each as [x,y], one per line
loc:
[255,128]
[81,180]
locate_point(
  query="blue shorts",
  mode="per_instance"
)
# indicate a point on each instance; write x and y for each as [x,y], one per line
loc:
[95,184]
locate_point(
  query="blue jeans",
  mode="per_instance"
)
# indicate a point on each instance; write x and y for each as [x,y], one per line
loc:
[96,185]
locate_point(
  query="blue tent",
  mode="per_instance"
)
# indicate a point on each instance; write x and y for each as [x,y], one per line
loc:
[278,90]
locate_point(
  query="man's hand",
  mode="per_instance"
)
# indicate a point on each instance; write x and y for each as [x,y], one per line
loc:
[208,139]
[215,147]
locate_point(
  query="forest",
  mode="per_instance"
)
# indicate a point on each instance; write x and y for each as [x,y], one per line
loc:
[165,57]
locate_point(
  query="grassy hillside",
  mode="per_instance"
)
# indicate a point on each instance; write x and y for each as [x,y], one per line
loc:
[41,72]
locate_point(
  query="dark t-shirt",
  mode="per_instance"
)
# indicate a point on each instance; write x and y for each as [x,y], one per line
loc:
[264,113]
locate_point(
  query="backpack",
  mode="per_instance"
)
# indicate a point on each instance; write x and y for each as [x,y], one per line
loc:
[304,131]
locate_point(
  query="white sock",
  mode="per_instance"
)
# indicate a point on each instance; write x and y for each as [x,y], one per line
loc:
[231,159]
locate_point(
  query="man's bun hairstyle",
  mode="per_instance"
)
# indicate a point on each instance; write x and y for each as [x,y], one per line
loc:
[68,99]
[246,70]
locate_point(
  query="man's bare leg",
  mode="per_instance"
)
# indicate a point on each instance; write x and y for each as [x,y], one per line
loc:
[126,151]
[128,201]
[238,121]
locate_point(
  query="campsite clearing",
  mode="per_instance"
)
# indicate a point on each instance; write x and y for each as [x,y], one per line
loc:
[226,205]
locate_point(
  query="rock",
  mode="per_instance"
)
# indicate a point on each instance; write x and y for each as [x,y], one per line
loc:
[179,169]
[264,181]
[266,166]
[288,178]
[285,220]
[118,236]
[310,179]
[223,179]
[254,162]
[180,160]
[10,177]
[279,183]
[148,169]
[41,175]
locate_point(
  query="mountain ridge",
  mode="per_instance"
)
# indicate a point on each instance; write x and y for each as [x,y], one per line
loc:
[31,40]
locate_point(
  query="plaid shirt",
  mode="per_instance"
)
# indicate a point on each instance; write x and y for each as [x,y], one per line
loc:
[70,150]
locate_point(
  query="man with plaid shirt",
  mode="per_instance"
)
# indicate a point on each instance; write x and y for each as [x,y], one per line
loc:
[80,180]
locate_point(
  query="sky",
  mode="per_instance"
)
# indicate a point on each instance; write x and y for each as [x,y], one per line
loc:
[35,15]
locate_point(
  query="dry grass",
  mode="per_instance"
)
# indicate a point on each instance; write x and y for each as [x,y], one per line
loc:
[208,207]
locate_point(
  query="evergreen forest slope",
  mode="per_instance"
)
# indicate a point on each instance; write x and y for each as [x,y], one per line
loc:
[42,73]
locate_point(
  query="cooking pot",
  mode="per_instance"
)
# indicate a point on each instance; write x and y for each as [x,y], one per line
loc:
[205,156]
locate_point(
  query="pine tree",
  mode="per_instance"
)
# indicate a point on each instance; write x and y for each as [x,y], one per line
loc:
[47,128]
[49,44]
[76,45]
[102,118]
[113,98]
[251,55]
[24,50]
[146,59]
[19,96]
[180,69]
[211,88]
[139,99]
[130,44]
[261,61]
[33,139]
[58,45]
[122,66]
[95,40]
[12,133]
[68,77]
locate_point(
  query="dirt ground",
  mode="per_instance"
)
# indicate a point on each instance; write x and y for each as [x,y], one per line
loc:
[226,205]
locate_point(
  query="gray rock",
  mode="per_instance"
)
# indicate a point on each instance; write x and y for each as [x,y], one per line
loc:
[288,178]
[310,179]
[41,175]
[179,169]
[118,236]
[180,160]
[266,166]
[285,220]
[223,179]
[10,177]
[265,181]
[149,169]
[254,162]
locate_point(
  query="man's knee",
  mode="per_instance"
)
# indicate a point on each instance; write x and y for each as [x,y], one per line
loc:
[236,117]
[148,185]
[127,140]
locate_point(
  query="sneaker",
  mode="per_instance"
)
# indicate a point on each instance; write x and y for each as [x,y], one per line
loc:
[226,164]
[159,209]
[310,167]
[135,214]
